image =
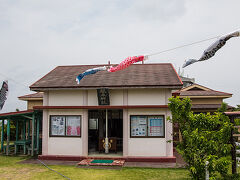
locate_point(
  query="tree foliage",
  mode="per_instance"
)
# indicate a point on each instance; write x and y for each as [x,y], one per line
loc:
[237,108]
[205,137]
[12,130]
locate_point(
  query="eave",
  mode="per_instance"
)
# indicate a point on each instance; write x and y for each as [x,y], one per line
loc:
[31,99]
[100,107]
[197,97]
[108,87]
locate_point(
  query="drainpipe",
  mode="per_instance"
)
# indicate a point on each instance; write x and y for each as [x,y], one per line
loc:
[106,138]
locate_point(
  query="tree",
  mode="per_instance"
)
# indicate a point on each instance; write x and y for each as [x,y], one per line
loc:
[223,108]
[237,108]
[205,137]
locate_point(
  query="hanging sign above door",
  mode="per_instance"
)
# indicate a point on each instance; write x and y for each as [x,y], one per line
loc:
[103,96]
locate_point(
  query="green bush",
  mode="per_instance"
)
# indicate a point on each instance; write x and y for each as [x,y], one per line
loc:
[237,122]
[205,138]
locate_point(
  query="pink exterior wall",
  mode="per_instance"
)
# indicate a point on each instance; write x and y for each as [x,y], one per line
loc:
[150,147]
[45,126]
[67,145]
[146,96]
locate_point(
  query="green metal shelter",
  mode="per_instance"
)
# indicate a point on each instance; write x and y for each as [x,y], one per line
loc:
[28,124]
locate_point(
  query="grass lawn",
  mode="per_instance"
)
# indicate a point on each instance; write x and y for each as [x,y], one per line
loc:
[10,169]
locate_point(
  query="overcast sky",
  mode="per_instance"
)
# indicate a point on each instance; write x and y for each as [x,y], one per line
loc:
[36,36]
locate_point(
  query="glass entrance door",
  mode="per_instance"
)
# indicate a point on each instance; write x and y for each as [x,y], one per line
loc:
[97,131]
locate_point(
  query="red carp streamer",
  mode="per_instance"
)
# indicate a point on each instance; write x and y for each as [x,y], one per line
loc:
[127,62]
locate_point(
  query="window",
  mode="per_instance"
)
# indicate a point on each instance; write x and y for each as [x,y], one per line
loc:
[138,125]
[147,126]
[69,126]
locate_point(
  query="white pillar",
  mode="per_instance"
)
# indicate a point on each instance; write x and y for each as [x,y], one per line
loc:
[125,123]
[85,125]
[106,138]
[169,126]
[85,133]
[45,124]
[125,132]
[45,132]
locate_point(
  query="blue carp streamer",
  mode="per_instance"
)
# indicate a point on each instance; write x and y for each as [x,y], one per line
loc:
[89,72]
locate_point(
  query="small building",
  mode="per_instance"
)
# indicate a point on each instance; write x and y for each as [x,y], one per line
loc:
[203,99]
[128,107]
[32,100]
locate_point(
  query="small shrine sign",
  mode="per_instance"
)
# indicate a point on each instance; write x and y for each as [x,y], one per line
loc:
[103,96]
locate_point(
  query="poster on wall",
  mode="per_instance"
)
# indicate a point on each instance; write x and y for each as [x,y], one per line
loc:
[73,126]
[58,125]
[155,126]
[138,125]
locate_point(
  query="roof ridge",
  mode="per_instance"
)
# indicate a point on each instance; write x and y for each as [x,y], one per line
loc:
[176,74]
[111,64]
[30,94]
[209,89]
[213,89]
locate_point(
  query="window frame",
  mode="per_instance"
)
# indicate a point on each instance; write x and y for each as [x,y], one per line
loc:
[147,136]
[67,136]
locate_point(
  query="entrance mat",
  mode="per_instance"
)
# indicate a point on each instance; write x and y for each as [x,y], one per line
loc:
[101,162]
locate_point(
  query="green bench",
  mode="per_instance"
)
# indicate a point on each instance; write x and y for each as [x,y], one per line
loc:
[24,143]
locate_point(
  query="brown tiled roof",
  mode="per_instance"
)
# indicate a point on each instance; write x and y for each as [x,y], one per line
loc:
[137,75]
[204,93]
[5,115]
[196,91]
[34,95]
[208,106]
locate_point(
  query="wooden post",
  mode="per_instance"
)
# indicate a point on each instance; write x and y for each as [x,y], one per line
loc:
[16,147]
[233,150]
[17,124]
[2,137]
[24,136]
[33,134]
[24,130]
[38,119]
[8,136]
[28,129]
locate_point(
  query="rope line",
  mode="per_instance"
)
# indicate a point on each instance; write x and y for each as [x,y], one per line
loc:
[171,49]
[52,169]
[9,78]
[178,47]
